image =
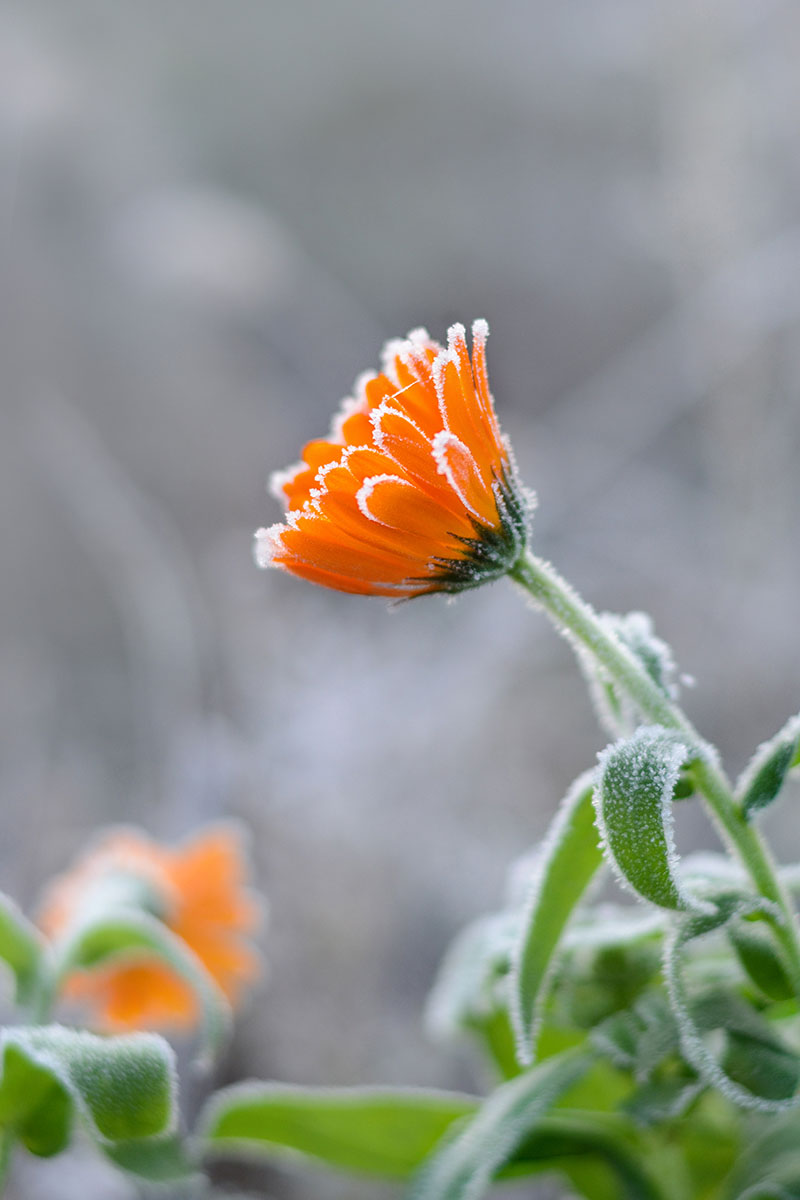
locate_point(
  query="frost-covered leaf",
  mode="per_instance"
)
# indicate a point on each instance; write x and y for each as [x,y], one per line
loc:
[123,1088]
[640,1038]
[470,993]
[756,1070]
[570,857]
[633,800]
[616,712]
[21,949]
[378,1131]
[129,933]
[465,990]
[764,776]
[467,1162]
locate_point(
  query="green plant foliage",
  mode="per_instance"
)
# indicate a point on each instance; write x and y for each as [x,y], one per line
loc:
[761,957]
[22,949]
[757,1069]
[634,795]
[763,778]
[474,1154]
[129,934]
[378,1131]
[570,857]
[122,1088]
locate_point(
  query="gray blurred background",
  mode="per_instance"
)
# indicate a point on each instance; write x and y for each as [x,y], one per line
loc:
[212,213]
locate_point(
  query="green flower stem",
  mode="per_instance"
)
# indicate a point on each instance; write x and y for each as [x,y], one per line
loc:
[578,621]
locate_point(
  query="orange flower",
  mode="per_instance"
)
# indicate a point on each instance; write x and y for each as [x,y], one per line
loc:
[414,490]
[198,891]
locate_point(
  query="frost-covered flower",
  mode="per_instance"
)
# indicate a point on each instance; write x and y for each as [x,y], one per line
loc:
[414,490]
[198,890]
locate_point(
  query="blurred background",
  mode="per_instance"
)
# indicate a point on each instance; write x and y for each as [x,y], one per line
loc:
[211,216]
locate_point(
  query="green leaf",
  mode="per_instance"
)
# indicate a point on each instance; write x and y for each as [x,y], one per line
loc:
[769,1164]
[123,1087]
[131,933]
[759,1071]
[378,1131]
[761,957]
[159,1160]
[467,1162]
[465,990]
[570,857]
[21,948]
[765,774]
[578,1145]
[634,814]
[640,1038]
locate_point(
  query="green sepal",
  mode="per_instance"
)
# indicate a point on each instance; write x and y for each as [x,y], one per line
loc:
[762,779]
[570,857]
[376,1131]
[22,948]
[132,934]
[633,801]
[463,1167]
[123,1088]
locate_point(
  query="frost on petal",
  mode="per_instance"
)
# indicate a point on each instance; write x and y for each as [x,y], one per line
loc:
[267,546]
[456,463]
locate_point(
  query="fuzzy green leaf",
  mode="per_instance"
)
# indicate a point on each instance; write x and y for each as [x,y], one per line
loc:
[21,948]
[764,776]
[122,1087]
[378,1131]
[158,1160]
[467,1162]
[131,933]
[633,800]
[570,857]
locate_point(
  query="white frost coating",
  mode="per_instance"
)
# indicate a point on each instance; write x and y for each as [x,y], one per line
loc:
[279,479]
[350,405]
[674,754]
[267,545]
[437,370]
[384,409]
[368,487]
[694,1048]
[444,439]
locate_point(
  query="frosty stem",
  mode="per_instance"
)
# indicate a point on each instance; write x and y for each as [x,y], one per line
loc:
[578,621]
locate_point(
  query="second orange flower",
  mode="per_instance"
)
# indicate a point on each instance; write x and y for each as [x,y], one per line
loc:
[415,488]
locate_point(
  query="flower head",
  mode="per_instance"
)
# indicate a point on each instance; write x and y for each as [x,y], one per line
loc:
[414,490]
[197,890]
